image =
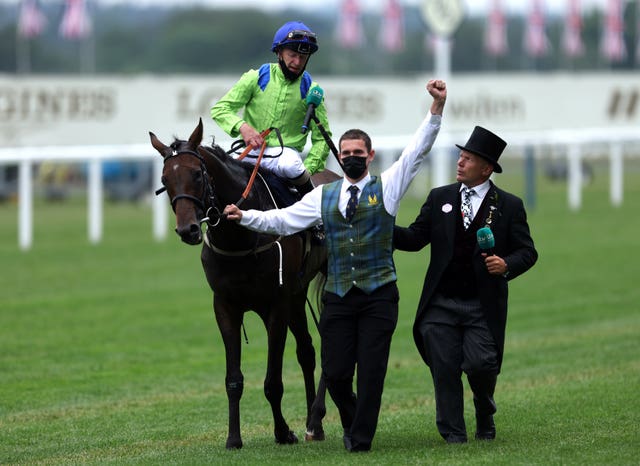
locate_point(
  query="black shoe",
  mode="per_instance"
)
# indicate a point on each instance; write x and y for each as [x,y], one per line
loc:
[354,447]
[485,428]
[346,439]
[360,448]
[453,439]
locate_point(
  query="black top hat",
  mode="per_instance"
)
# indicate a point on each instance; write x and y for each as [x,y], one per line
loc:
[487,145]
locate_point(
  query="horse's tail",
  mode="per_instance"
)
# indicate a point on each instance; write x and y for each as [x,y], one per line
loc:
[317,288]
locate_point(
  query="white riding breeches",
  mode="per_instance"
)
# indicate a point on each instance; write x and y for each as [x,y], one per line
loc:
[287,165]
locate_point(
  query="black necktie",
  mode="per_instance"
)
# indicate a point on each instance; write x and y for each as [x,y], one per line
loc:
[353,202]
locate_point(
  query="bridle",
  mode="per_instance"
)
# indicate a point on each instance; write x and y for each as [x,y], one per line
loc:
[206,201]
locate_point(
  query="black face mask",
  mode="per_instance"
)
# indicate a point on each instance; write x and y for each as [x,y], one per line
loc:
[354,166]
[291,76]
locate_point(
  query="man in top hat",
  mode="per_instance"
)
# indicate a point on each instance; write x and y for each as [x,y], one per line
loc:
[462,313]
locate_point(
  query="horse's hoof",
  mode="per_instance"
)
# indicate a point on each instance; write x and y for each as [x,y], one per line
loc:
[311,436]
[234,444]
[288,439]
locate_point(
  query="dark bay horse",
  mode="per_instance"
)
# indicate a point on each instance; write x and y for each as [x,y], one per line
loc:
[246,271]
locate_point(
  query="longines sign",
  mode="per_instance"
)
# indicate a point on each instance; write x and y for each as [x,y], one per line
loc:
[38,111]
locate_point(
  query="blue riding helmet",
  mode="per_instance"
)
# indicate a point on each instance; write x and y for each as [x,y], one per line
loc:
[297,36]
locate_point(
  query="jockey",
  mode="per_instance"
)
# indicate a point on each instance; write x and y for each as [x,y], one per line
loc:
[275,96]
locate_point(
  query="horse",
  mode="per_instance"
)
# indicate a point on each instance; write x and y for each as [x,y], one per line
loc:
[247,271]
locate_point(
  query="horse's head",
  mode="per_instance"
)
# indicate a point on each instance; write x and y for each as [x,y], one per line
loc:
[186,181]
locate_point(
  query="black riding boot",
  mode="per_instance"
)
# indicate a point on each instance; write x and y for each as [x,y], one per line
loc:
[304,188]
[303,183]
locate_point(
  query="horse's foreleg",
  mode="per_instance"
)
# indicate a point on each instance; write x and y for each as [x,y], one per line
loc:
[273,388]
[229,323]
[306,355]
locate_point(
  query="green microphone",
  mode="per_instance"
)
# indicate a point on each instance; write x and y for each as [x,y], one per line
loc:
[486,241]
[314,98]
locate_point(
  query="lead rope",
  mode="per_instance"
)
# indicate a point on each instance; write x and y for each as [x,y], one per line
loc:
[277,243]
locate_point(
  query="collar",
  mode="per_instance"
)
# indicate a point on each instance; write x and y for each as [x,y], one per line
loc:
[360,184]
[481,190]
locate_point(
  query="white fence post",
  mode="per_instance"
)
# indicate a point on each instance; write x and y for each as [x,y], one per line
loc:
[159,205]
[25,204]
[616,178]
[574,176]
[94,203]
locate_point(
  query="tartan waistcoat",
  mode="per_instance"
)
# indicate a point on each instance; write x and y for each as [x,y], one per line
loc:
[360,252]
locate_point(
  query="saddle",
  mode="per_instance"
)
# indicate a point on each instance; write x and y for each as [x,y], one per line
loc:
[286,194]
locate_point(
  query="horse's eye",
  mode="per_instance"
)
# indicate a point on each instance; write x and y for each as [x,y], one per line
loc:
[197,177]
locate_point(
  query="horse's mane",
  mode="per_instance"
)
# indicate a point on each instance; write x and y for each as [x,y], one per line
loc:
[241,170]
[236,166]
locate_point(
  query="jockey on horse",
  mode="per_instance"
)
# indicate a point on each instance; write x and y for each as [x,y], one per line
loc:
[277,96]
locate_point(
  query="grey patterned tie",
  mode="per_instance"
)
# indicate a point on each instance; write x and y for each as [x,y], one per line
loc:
[353,202]
[467,215]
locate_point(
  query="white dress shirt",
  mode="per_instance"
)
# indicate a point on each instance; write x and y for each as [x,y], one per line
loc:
[476,199]
[395,181]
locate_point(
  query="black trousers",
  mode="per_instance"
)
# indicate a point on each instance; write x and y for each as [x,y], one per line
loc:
[457,339]
[356,331]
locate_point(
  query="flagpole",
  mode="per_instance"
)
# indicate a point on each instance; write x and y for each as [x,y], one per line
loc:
[443,18]
[88,48]
[23,54]
[88,56]
[638,34]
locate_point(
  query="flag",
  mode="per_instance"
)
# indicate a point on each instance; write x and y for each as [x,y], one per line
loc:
[535,41]
[495,34]
[612,44]
[571,39]
[392,31]
[31,22]
[349,32]
[76,23]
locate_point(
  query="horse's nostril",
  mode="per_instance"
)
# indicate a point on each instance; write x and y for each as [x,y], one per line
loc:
[190,230]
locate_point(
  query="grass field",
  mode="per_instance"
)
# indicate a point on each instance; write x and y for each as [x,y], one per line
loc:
[109,354]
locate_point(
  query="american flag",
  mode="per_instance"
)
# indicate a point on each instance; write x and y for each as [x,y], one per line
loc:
[31,22]
[392,31]
[571,40]
[495,34]
[349,33]
[612,44]
[535,40]
[76,23]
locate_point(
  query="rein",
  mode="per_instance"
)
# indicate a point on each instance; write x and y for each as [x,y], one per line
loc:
[246,151]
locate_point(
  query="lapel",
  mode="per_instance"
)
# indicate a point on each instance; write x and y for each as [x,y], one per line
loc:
[449,221]
[494,204]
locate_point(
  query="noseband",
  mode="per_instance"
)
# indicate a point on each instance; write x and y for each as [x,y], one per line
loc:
[206,201]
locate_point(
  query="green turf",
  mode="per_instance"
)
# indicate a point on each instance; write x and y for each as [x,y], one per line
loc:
[109,353]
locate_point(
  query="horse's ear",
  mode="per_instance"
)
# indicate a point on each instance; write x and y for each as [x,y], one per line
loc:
[159,146]
[196,137]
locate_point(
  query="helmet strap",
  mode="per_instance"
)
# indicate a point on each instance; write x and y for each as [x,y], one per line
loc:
[290,75]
